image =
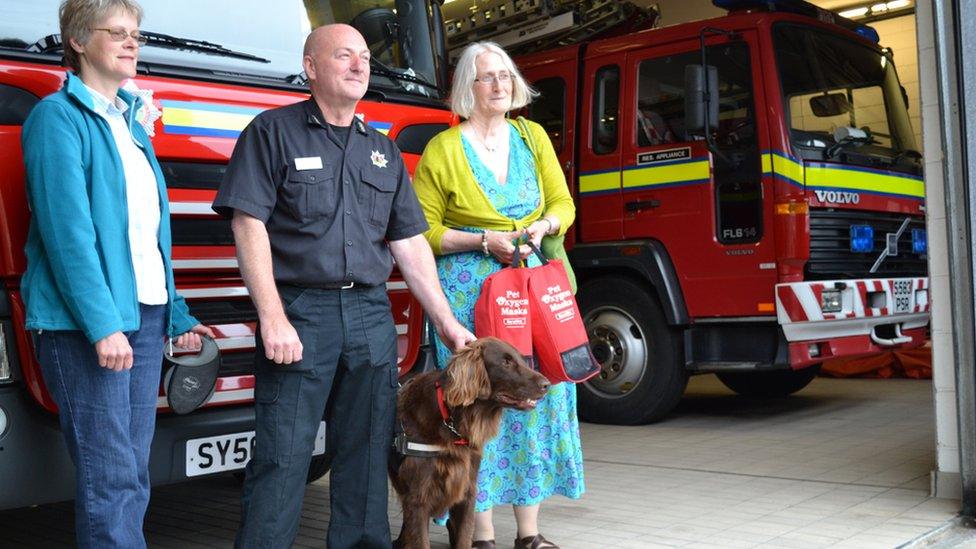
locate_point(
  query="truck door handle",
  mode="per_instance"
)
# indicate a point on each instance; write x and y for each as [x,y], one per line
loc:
[638,205]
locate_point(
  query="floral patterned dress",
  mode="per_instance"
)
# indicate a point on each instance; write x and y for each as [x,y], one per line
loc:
[537,453]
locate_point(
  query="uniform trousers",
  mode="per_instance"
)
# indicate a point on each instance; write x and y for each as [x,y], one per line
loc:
[348,377]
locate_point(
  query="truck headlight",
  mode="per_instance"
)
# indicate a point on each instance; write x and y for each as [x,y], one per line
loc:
[830,301]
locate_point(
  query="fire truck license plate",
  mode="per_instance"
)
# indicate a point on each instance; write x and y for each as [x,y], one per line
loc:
[229,452]
[903,295]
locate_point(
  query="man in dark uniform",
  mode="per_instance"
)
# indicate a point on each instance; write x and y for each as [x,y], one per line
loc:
[319,202]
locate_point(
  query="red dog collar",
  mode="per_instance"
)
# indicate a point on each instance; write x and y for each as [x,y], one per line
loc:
[446,416]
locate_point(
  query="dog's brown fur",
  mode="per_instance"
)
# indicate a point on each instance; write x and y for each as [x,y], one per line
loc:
[480,380]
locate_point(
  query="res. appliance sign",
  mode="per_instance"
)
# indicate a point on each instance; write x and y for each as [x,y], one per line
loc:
[667,155]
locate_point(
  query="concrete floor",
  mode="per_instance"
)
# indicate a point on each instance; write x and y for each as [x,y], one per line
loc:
[844,463]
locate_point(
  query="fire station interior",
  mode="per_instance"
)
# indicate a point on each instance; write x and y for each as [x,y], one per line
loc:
[865,452]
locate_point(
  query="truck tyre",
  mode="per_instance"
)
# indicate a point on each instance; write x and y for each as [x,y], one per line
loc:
[643,375]
[772,384]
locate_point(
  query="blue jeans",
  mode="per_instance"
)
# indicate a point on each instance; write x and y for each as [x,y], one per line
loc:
[347,374]
[108,419]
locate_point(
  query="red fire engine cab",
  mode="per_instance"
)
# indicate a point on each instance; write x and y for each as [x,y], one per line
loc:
[207,72]
[750,201]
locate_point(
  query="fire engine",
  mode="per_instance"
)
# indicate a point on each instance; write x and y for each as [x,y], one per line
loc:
[207,72]
[750,201]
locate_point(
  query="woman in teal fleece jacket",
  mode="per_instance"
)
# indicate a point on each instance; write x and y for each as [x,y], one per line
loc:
[99,287]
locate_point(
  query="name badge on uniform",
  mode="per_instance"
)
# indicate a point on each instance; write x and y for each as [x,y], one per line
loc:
[308,163]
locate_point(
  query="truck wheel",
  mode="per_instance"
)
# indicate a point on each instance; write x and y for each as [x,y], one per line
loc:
[776,383]
[643,375]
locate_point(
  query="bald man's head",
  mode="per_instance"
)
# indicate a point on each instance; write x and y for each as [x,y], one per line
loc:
[337,64]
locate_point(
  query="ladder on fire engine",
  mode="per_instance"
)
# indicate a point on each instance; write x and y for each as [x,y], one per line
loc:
[523,26]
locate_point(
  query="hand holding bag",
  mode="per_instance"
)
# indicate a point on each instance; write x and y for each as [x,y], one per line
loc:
[502,309]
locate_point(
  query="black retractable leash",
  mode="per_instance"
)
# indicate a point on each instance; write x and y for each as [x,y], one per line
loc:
[192,378]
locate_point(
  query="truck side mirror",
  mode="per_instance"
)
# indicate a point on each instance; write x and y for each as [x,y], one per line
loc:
[695,91]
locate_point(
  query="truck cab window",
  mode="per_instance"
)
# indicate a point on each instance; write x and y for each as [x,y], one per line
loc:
[660,120]
[548,108]
[605,109]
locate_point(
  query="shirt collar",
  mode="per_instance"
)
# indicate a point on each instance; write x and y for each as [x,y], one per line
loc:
[103,106]
[314,117]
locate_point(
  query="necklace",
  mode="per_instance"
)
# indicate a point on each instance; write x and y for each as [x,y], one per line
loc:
[483,139]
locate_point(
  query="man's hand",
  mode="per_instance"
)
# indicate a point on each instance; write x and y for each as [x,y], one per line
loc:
[454,335]
[281,343]
[190,341]
[114,352]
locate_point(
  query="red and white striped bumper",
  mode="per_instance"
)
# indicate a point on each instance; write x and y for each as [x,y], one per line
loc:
[875,315]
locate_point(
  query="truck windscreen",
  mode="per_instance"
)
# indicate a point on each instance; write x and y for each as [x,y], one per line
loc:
[253,38]
[832,82]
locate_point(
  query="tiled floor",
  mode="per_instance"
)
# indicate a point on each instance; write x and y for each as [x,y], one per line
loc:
[845,463]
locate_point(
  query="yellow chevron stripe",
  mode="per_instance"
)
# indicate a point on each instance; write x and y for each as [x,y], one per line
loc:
[206,119]
[836,178]
[663,175]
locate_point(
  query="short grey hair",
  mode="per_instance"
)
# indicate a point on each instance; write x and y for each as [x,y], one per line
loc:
[462,87]
[77,17]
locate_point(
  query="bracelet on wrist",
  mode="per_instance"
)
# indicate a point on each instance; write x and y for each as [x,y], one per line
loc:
[548,222]
[484,243]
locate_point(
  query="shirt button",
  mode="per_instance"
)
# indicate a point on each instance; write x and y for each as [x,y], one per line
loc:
[311,177]
[346,181]
[348,212]
[349,243]
[349,274]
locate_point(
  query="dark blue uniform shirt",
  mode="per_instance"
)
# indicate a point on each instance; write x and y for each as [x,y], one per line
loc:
[329,207]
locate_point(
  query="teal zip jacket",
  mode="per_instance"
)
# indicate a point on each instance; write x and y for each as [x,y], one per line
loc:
[79,265]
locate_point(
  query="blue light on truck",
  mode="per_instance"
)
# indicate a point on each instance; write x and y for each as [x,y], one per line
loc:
[920,242]
[862,238]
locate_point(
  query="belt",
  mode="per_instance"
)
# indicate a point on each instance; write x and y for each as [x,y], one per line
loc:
[337,286]
[328,285]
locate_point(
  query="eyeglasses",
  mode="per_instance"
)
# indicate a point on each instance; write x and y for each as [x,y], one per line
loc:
[119,35]
[501,78]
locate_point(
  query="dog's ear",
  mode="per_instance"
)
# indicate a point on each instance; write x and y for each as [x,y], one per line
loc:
[467,377]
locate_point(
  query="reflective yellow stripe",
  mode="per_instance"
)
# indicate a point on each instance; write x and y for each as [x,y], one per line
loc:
[668,174]
[206,119]
[596,182]
[857,180]
[786,168]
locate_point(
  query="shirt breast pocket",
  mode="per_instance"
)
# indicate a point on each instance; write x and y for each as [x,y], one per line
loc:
[309,194]
[377,196]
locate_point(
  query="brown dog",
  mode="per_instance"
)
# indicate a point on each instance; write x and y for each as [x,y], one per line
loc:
[480,380]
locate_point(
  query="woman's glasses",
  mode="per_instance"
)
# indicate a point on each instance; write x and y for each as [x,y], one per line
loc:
[119,35]
[487,79]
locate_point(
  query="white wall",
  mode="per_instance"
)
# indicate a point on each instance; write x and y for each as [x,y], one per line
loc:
[945,479]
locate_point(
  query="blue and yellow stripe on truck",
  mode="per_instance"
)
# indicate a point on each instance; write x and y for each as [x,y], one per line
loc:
[783,168]
[693,171]
[219,120]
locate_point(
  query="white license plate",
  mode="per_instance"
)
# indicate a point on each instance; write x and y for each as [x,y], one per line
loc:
[230,452]
[902,294]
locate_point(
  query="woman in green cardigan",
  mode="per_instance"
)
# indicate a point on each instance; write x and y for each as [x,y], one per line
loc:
[484,185]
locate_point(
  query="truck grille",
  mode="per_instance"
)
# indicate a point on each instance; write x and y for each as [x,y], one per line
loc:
[210,231]
[830,252]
